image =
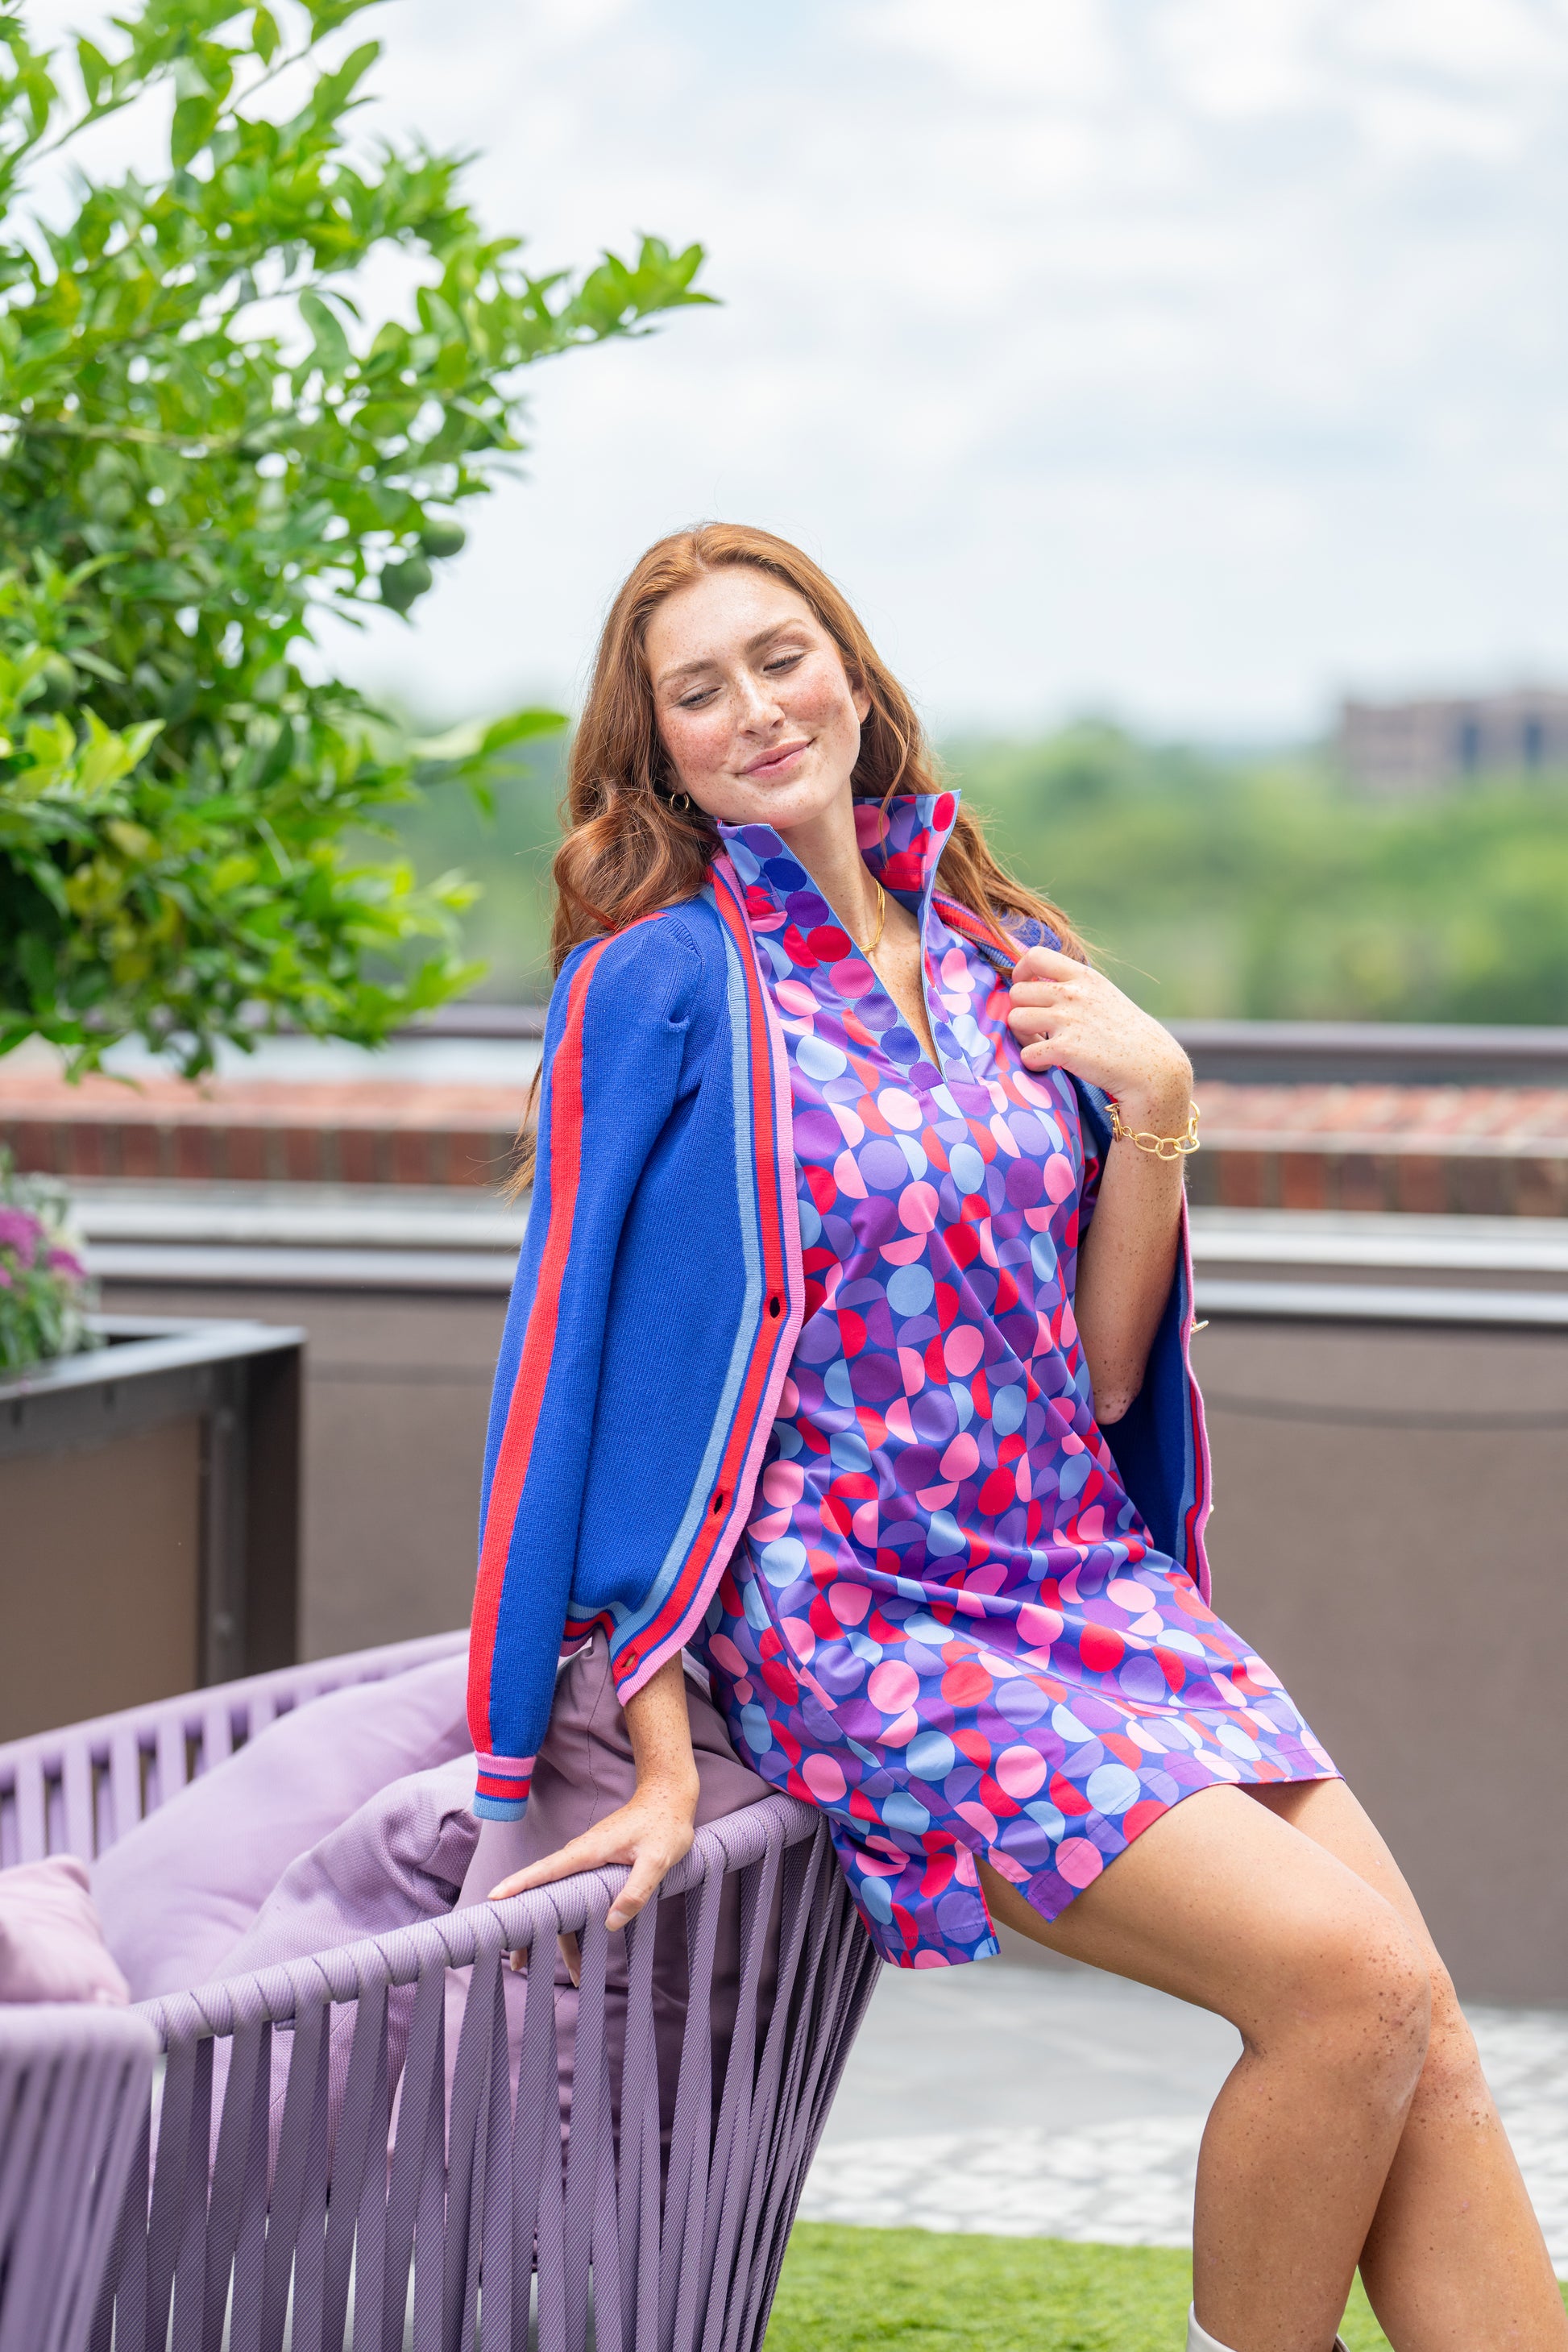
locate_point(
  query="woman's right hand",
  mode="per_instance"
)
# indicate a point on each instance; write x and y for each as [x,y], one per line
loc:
[653,1830]
[650,1833]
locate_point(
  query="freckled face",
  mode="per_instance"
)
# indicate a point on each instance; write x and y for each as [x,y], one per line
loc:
[755,708]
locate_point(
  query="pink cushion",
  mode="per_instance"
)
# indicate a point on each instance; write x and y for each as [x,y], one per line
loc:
[52,1946]
[179,1891]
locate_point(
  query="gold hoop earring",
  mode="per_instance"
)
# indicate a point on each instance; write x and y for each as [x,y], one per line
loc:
[680,802]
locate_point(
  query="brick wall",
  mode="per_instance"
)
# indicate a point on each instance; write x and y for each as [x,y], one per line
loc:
[1478,1150]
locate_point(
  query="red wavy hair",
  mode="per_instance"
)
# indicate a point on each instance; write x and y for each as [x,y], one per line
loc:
[628,852]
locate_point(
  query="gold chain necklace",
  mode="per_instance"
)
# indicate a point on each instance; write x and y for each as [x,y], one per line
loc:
[876,942]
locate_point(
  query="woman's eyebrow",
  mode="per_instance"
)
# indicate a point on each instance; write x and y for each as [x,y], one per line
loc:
[710,661]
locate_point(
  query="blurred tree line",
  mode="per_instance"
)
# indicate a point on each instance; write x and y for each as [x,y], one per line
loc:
[1265,888]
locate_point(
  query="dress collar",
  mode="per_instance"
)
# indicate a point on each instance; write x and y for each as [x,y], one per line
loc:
[902,841]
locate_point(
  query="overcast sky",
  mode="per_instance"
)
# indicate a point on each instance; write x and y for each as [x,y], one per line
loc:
[1188,359]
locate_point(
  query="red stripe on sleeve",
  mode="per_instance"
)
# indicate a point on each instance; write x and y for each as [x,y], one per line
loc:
[537,1346]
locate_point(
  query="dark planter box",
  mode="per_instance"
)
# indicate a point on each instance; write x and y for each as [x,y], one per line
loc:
[149,1516]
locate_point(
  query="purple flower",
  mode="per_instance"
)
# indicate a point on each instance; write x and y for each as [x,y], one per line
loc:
[62,1262]
[20,1231]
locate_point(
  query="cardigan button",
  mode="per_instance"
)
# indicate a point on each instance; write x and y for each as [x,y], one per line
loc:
[718,1503]
[775,1305]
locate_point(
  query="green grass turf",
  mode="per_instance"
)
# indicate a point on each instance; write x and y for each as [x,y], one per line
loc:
[852,2290]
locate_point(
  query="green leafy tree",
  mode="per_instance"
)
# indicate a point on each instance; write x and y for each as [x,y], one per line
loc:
[203,448]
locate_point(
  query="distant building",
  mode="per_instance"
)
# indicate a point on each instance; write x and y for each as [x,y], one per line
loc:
[1419,746]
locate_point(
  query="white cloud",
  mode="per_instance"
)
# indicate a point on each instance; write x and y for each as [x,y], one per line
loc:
[1499,42]
[1063,50]
[1191,356]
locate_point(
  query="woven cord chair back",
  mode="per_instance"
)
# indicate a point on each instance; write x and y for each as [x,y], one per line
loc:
[74,2089]
[340,2199]
[321,2170]
[79,1790]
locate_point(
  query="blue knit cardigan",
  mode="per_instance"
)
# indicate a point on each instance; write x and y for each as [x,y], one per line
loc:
[654,1317]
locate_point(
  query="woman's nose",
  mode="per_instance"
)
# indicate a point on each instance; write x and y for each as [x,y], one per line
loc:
[758,704]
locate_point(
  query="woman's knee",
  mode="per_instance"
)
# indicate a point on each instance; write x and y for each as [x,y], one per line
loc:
[1451,2072]
[1355,1996]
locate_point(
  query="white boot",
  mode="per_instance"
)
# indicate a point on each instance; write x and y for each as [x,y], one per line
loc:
[1200,2340]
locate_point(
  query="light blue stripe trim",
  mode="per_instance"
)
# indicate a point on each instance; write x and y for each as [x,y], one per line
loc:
[633,1622]
[497,1809]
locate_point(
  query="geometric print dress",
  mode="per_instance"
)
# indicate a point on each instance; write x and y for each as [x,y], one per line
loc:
[946,1625]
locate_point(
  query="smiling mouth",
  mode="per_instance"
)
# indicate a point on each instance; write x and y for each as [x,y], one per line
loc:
[772,761]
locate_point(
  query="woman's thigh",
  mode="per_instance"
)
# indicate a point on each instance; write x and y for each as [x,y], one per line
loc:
[1333,1817]
[1228,1905]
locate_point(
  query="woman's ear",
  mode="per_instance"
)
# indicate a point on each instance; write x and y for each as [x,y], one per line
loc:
[858,695]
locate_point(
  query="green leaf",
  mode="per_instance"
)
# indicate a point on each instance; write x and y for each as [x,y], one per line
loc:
[326,15]
[183,503]
[94,69]
[191,129]
[520,727]
[330,346]
[471,741]
[334,92]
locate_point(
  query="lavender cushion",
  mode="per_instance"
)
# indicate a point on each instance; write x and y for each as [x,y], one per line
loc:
[52,1946]
[331,1825]
[178,1892]
[401,1858]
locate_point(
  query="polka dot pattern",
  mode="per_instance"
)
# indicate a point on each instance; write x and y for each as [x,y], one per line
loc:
[947,1626]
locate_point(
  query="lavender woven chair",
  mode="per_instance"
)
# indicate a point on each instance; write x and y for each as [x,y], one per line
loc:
[79,1790]
[317,2175]
[74,2084]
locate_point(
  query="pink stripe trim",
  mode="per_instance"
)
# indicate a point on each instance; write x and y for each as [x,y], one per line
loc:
[773,1152]
[1198,1512]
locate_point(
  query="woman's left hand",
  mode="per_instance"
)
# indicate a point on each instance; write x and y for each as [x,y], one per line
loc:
[1066,1015]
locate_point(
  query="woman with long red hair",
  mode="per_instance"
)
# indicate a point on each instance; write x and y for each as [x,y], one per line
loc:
[849,1356]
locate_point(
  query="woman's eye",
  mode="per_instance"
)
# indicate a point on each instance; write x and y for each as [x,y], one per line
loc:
[783,661]
[695,700]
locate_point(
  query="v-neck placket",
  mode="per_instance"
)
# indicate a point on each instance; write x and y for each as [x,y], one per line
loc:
[900,842]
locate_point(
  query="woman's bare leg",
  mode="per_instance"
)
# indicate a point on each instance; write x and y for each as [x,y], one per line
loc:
[1227,1905]
[1455,2261]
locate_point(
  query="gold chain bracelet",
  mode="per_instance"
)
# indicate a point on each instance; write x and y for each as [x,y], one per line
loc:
[1159,1146]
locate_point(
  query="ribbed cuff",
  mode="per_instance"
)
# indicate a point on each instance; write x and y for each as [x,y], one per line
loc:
[501,1790]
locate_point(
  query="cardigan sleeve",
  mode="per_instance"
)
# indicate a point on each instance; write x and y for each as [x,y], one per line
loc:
[614,1046]
[1160,1445]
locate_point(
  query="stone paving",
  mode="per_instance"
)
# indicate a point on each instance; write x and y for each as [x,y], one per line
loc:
[1129,2075]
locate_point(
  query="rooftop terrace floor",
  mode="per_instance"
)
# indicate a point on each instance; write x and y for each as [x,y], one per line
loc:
[1058,2102]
